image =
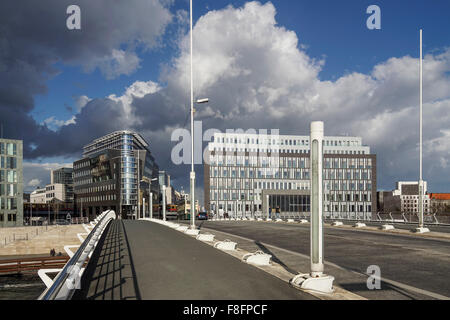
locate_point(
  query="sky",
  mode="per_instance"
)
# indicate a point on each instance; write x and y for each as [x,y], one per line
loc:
[264,65]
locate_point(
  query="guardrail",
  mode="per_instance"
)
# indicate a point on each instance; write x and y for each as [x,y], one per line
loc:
[63,286]
[391,217]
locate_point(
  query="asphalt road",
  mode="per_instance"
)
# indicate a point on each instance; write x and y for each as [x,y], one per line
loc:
[421,263]
[143,260]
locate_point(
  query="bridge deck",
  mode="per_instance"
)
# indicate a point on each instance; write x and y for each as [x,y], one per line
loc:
[144,260]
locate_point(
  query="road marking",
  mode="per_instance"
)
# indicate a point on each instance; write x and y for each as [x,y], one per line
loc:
[392,282]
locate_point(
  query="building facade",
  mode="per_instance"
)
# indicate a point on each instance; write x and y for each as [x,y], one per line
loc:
[116,173]
[243,171]
[38,196]
[440,203]
[408,191]
[11,183]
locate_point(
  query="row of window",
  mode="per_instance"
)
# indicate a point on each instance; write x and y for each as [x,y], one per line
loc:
[8,148]
[297,174]
[106,197]
[8,176]
[8,203]
[9,190]
[287,162]
[107,187]
[11,217]
[8,162]
[268,140]
[278,151]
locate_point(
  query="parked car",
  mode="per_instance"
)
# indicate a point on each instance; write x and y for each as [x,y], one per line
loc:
[202,216]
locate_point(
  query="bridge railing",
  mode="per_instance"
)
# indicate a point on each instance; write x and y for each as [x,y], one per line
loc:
[63,286]
[379,217]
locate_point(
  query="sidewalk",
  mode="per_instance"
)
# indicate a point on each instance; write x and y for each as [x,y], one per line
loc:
[145,260]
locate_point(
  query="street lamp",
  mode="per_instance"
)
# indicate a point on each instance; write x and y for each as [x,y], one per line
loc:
[200,101]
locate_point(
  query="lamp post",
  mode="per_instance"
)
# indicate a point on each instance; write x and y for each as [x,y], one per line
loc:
[192,175]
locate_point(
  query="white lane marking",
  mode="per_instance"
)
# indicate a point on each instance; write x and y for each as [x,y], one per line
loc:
[392,282]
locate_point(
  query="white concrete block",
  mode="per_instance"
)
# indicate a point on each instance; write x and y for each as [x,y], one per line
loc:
[226,245]
[205,237]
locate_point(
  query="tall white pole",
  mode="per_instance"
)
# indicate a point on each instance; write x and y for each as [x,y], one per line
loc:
[192,129]
[268,209]
[316,280]
[420,145]
[316,199]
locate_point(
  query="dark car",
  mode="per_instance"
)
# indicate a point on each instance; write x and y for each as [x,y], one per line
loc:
[202,216]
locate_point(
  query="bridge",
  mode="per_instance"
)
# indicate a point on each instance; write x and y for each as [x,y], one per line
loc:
[157,260]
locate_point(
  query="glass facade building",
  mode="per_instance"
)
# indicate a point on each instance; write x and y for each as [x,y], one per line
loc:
[244,171]
[11,183]
[115,173]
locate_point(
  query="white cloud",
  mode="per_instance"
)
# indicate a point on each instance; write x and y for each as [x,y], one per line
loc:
[81,102]
[118,63]
[34,183]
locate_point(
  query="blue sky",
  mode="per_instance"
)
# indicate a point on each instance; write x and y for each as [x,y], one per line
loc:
[331,30]
[334,32]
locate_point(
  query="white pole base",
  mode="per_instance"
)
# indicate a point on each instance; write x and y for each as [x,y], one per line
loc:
[387,227]
[182,228]
[337,224]
[206,237]
[174,226]
[290,220]
[192,232]
[359,225]
[322,284]
[303,221]
[279,220]
[421,230]
[260,219]
[258,258]
[226,245]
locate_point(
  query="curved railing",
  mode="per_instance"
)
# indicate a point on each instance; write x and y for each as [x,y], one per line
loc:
[67,281]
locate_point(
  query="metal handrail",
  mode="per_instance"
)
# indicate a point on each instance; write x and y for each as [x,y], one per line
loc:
[52,292]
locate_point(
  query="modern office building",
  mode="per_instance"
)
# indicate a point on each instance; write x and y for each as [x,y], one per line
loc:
[116,172]
[62,176]
[243,171]
[11,183]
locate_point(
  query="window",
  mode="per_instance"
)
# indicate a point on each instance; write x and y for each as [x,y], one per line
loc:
[11,149]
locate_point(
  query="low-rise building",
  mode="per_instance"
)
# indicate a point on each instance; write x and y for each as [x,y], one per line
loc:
[440,203]
[408,191]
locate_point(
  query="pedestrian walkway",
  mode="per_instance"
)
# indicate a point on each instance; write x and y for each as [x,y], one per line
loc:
[144,260]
